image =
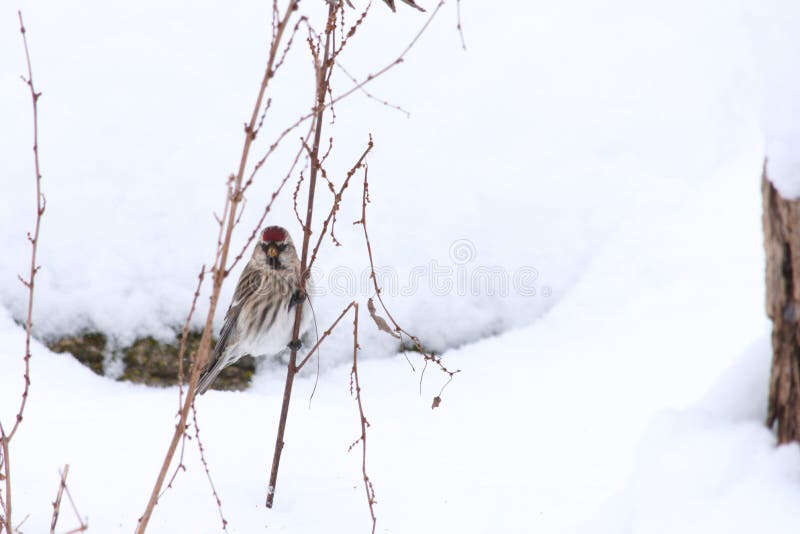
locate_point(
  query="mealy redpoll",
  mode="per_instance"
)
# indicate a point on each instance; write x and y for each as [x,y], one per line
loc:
[261,316]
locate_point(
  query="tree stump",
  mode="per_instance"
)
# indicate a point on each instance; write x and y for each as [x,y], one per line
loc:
[781,220]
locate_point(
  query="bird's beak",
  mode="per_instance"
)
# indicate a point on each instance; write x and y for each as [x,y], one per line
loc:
[272,251]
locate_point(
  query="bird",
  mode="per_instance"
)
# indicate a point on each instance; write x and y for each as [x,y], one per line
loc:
[260,319]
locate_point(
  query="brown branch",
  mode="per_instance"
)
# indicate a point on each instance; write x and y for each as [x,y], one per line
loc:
[181,355]
[57,502]
[219,271]
[458,25]
[5,438]
[34,240]
[355,389]
[428,356]
[370,95]
[6,519]
[83,525]
[267,209]
[338,199]
[357,87]
[206,469]
[325,334]
[322,79]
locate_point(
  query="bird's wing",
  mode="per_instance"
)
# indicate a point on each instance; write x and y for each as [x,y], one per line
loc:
[249,282]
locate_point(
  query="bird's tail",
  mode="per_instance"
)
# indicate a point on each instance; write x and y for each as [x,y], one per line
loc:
[211,372]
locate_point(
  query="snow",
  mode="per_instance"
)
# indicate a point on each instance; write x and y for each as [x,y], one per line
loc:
[613,159]
[774,27]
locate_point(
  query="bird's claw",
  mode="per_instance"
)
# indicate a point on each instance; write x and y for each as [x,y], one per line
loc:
[295,345]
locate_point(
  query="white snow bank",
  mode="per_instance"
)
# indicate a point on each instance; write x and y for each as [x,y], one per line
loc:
[533,167]
[713,467]
[775,27]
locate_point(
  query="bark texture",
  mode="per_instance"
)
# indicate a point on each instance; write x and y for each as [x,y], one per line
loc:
[781,219]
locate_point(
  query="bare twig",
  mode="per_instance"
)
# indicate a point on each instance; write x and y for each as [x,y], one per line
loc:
[325,334]
[355,390]
[206,469]
[57,502]
[219,270]
[370,95]
[458,25]
[83,524]
[337,201]
[357,87]
[267,208]
[5,438]
[323,78]
[6,519]
[428,356]
[34,240]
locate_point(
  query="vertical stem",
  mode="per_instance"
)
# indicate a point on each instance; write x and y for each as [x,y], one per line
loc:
[323,76]
[219,273]
[7,470]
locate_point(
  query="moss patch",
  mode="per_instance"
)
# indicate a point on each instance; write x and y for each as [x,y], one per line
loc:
[148,361]
[89,348]
[151,362]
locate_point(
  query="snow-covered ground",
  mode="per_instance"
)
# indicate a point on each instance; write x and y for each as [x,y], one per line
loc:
[609,152]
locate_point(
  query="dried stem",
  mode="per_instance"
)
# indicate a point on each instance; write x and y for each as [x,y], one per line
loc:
[323,79]
[57,502]
[5,520]
[83,524]
[206,469]
[325,334]
[428,356]
[458,25]
[5,438]
[34,240]
[233,199]
[355,389]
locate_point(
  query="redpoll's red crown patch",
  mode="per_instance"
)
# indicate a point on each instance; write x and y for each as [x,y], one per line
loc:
[273,233]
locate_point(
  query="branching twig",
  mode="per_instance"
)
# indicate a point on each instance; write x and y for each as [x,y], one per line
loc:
[323,78]
[57,502]
[355,390]
[325,334]
[428,356]
[458,25]
[370,95]
[34,240]
[219,270]
[5,438]
[208,472]
[6,518]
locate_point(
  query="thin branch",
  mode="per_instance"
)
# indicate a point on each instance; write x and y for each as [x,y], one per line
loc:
[370,95]
[7,476]
[219,271]
[458,25]
[267,209]
[355,390]
[357,87]
[206,469]
[338,199]
[322,79]
[40,207]
[57,502]
[325,334]
[84,526]
[428,356]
